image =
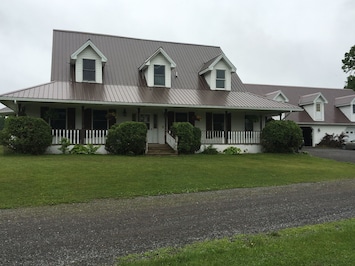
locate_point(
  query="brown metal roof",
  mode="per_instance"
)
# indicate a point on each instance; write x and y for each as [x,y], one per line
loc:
[345,100]
[332,114]
[72,92]
[123,83]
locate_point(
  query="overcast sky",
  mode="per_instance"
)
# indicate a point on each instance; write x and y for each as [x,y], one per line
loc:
[279,42]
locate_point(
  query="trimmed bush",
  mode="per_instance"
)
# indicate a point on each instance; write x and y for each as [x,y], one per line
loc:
[281,137]
[196,145]
[189,137]
[128,138]
[26,135]
[184,131]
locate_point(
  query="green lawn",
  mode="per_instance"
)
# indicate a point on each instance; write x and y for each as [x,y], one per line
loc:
[325,244]
[54,179]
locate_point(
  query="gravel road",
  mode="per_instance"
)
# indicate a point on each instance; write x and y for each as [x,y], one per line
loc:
[96,233]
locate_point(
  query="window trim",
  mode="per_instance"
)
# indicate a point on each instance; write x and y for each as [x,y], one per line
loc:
[159,77]
[220,79]
[89,71]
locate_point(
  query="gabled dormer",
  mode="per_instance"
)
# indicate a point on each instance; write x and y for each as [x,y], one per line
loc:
[278,96]
[346,104]
[218,73]
[313,104]
[157,69]
[88,63]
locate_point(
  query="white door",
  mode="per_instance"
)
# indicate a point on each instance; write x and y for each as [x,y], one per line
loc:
[151,122]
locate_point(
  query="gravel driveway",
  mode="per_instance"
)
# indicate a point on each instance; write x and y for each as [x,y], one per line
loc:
[96,233]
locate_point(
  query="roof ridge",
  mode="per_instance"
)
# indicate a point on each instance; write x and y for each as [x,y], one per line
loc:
[132,38]
[293,86]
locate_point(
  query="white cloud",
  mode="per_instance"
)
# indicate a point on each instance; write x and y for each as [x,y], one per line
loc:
[295,42]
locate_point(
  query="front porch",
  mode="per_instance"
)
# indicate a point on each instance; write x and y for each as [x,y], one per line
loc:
[208,137]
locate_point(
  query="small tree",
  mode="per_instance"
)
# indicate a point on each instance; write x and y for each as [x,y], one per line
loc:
[127,138]
[281,136]
[27,135]
[349,67]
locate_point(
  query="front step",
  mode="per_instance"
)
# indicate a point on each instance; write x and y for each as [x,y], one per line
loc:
[160,149]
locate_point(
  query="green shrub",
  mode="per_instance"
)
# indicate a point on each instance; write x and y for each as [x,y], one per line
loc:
[2,122]
[128,138]
[82,149]
[333,141]
[232,151]
[65,143]
[281,136]
[27,135]
[189,137]
[196,143]
[210,150]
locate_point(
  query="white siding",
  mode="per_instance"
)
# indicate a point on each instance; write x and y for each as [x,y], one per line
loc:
[149,72]
[311,110]
[210,77]
[88,53]
[348,112]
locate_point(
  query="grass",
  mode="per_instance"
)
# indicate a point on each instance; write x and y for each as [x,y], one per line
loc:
[53,179]
[325,244]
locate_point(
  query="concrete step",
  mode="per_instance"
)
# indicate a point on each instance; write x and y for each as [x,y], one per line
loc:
[160,149]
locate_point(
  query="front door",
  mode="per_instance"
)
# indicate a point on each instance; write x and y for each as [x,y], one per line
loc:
[151,121]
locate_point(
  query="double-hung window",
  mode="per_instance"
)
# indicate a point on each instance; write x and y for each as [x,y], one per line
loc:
[89,70]
[159,75]
[220,78]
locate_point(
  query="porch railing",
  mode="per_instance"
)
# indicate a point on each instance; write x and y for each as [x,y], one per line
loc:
[171,141]
[85,136]
[230,137]
[79,136]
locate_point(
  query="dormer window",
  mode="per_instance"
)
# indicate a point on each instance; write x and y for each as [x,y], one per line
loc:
[88,62]
[220,78]
[353,108]
[157,69]
[218,73]
[89,70]
[313,104]
[159,75]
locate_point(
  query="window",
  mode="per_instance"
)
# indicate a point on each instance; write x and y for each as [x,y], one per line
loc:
[99,120]
[159,75]
[249,123]
[317,107]
[220,78]
[89,70]
[353,108]
[181,117]
[58,118]
[214,125]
